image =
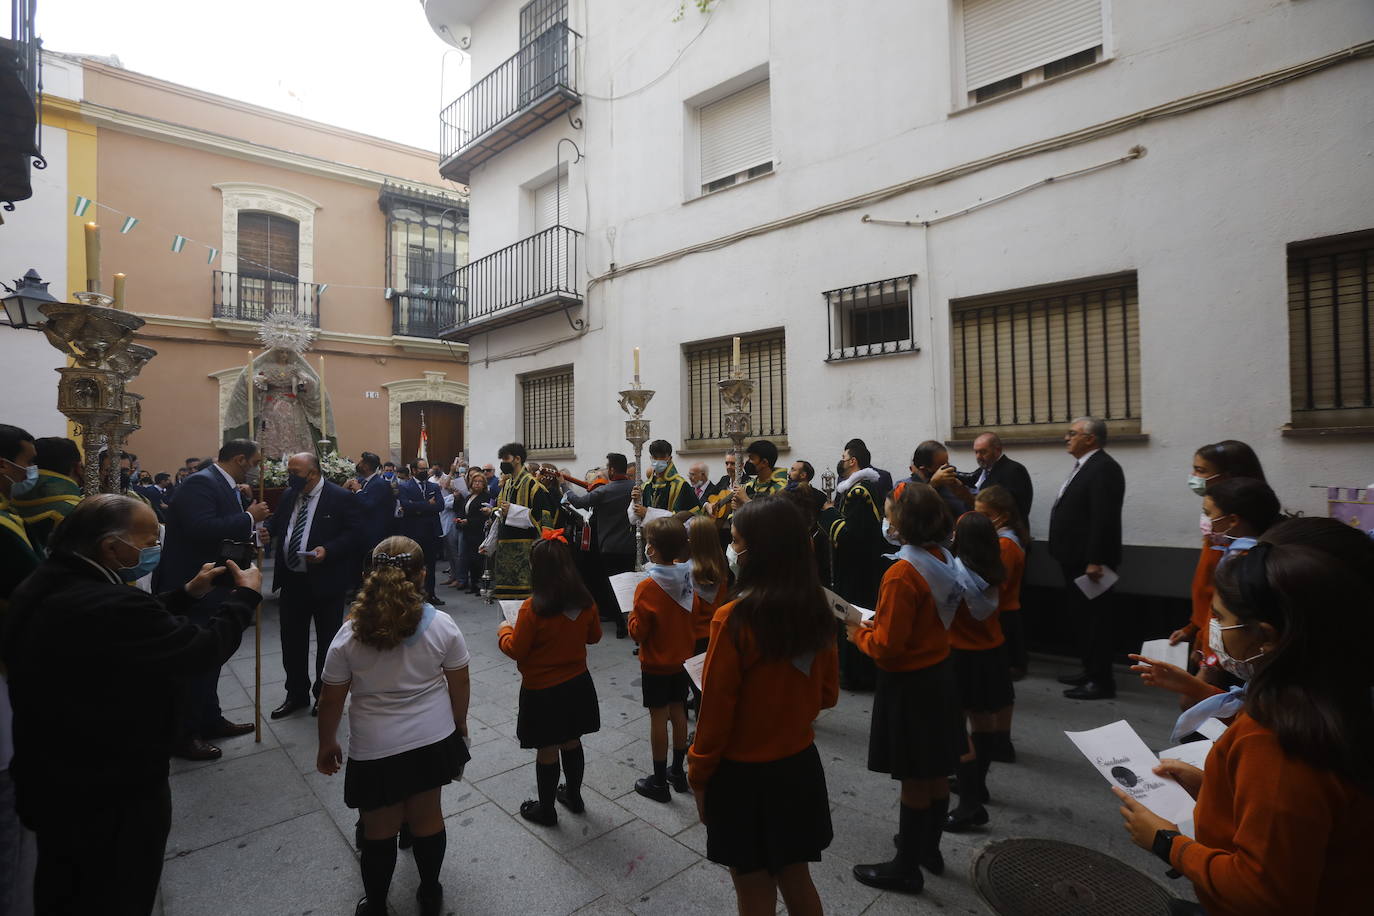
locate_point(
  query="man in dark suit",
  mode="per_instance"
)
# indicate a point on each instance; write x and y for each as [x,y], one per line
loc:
[377,500]
[420,501]
[1085,537]
[207,509]
[995,468]
[727,480]
[313,532]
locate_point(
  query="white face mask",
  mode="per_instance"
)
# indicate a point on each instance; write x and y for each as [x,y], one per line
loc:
[1204,524]
[732,557]
[1243,668]
[889,535]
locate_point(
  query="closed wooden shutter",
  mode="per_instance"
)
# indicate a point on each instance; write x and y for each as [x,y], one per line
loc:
[268,246]
[736,133]
[1331,343]
[550,200]
[1032,361]
[1005,37]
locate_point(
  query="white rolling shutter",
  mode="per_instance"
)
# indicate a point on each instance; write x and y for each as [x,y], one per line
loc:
[736,133]
[1005,37]
[550,200]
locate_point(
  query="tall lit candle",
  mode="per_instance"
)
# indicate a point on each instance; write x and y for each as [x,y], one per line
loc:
[636,364]
[736,360]
[250,394]
[119,291]
[323,434]
[92,258]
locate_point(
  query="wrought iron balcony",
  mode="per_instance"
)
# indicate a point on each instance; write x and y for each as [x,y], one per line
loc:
[423,315]
[20,105]
[535,86]
[245,298]
[535,276]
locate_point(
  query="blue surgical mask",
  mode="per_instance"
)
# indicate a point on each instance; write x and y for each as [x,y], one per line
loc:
[1198,484]
[24,487]
[659,466]
[148,558]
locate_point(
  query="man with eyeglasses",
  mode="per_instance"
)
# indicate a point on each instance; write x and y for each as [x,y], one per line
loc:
[1085,538]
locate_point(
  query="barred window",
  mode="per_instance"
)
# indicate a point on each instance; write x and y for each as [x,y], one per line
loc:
[871,318]
[1027,362]
[547,408]
[1330,343]
[764,360]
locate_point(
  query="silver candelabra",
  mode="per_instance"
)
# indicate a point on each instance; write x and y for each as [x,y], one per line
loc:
[737,393]
[633,400]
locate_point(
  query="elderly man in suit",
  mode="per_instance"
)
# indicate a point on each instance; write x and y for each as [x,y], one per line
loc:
[420,501]
[206,510]
[996,469]
[1085,538]
[314,534]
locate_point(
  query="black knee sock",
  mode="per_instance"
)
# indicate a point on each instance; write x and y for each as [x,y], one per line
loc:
[984,746]
[935,826]
[911,830]
[661,771]
[429,856]
[970,784]
[574,762]
[679,755]
[546,777]
[378,863]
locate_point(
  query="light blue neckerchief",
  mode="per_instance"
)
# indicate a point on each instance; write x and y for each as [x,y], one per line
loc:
[943,578]
[675,579]
[1011,536]
[982,599]
[427,613]
[1237,546]
[1218,706]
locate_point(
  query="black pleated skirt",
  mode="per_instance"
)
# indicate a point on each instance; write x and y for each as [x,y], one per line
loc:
[918,727]
[984,679]
[558,714]
[766,816]
[390,780]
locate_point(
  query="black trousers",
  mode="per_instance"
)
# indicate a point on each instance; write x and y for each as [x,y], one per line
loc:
[432,548]
[198,710]
[101,853]
[1094,622]
[300,605]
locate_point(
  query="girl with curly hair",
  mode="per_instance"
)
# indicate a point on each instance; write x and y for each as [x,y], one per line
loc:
[406,665]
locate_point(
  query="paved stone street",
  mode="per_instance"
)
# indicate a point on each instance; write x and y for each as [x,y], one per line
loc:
[260,831]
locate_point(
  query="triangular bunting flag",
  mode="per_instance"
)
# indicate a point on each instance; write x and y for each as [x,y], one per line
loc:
[214,253]
[82,205]
[323,287]
[178,243]
[129,223]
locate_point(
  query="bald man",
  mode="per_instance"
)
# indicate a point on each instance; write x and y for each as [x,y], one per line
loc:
[317,552]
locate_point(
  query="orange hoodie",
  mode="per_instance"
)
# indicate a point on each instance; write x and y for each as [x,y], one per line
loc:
[663,629]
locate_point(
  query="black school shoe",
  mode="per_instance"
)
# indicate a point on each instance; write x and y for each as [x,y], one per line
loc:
[532,811]
[678,780]
[573,803]
[891,876]
[652,789]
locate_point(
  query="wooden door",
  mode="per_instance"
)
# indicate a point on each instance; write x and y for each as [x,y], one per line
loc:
[443,422]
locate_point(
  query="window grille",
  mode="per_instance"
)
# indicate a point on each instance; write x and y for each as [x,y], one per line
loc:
[1028,362]
[763,357]
[871,318]
[547,402]
[1331,346]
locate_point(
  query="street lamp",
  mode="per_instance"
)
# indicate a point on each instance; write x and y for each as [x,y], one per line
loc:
[27,294]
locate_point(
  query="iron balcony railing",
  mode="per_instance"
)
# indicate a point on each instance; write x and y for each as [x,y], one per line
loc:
[21,103]
[248,298]
[422,314]
[541,268]
[543,68]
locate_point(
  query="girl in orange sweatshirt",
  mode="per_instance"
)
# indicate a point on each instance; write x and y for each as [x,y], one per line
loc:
[1287,796]
[917,734]
[770,669]
[710,582]
[1013,539]
[661,622]
[557,697]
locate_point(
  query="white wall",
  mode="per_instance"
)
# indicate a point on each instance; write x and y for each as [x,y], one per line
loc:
[861,101]
[35,235]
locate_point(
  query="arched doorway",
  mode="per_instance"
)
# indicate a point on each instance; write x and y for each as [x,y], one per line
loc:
[443,422]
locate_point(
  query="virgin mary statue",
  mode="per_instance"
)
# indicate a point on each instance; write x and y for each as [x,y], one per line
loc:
[287,394]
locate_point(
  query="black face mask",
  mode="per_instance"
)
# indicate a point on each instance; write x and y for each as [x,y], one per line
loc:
[507,468]
[749,469]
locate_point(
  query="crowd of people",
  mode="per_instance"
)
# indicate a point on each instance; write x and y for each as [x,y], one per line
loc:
[781,592]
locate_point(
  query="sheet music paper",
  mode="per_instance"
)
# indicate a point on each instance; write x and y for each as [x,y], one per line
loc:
[624,585]
[1160,650]
[845,611]
[1194,753]
[510,610]
[1122,758]
[1093,589]
[695,668]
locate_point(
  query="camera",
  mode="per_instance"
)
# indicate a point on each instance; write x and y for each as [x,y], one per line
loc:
[243,553]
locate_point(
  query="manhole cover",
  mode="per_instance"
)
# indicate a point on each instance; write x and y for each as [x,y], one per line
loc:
[1034,877]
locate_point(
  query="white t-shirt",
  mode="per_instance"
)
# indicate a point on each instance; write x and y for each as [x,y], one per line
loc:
[399,696]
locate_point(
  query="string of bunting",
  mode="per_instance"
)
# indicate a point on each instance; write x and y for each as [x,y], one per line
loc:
[179,242]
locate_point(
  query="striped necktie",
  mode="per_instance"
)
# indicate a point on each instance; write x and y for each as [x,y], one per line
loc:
[298,533]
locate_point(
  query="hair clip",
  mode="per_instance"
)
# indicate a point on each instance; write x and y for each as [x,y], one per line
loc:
[553,534]
[398,560]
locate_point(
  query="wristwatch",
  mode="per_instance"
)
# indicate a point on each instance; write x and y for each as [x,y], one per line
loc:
[1164,842]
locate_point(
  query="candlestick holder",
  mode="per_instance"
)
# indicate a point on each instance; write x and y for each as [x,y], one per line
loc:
[633,400]
[737,394]
[828,484]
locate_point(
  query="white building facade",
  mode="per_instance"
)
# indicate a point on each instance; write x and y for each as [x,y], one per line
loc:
[927,219]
